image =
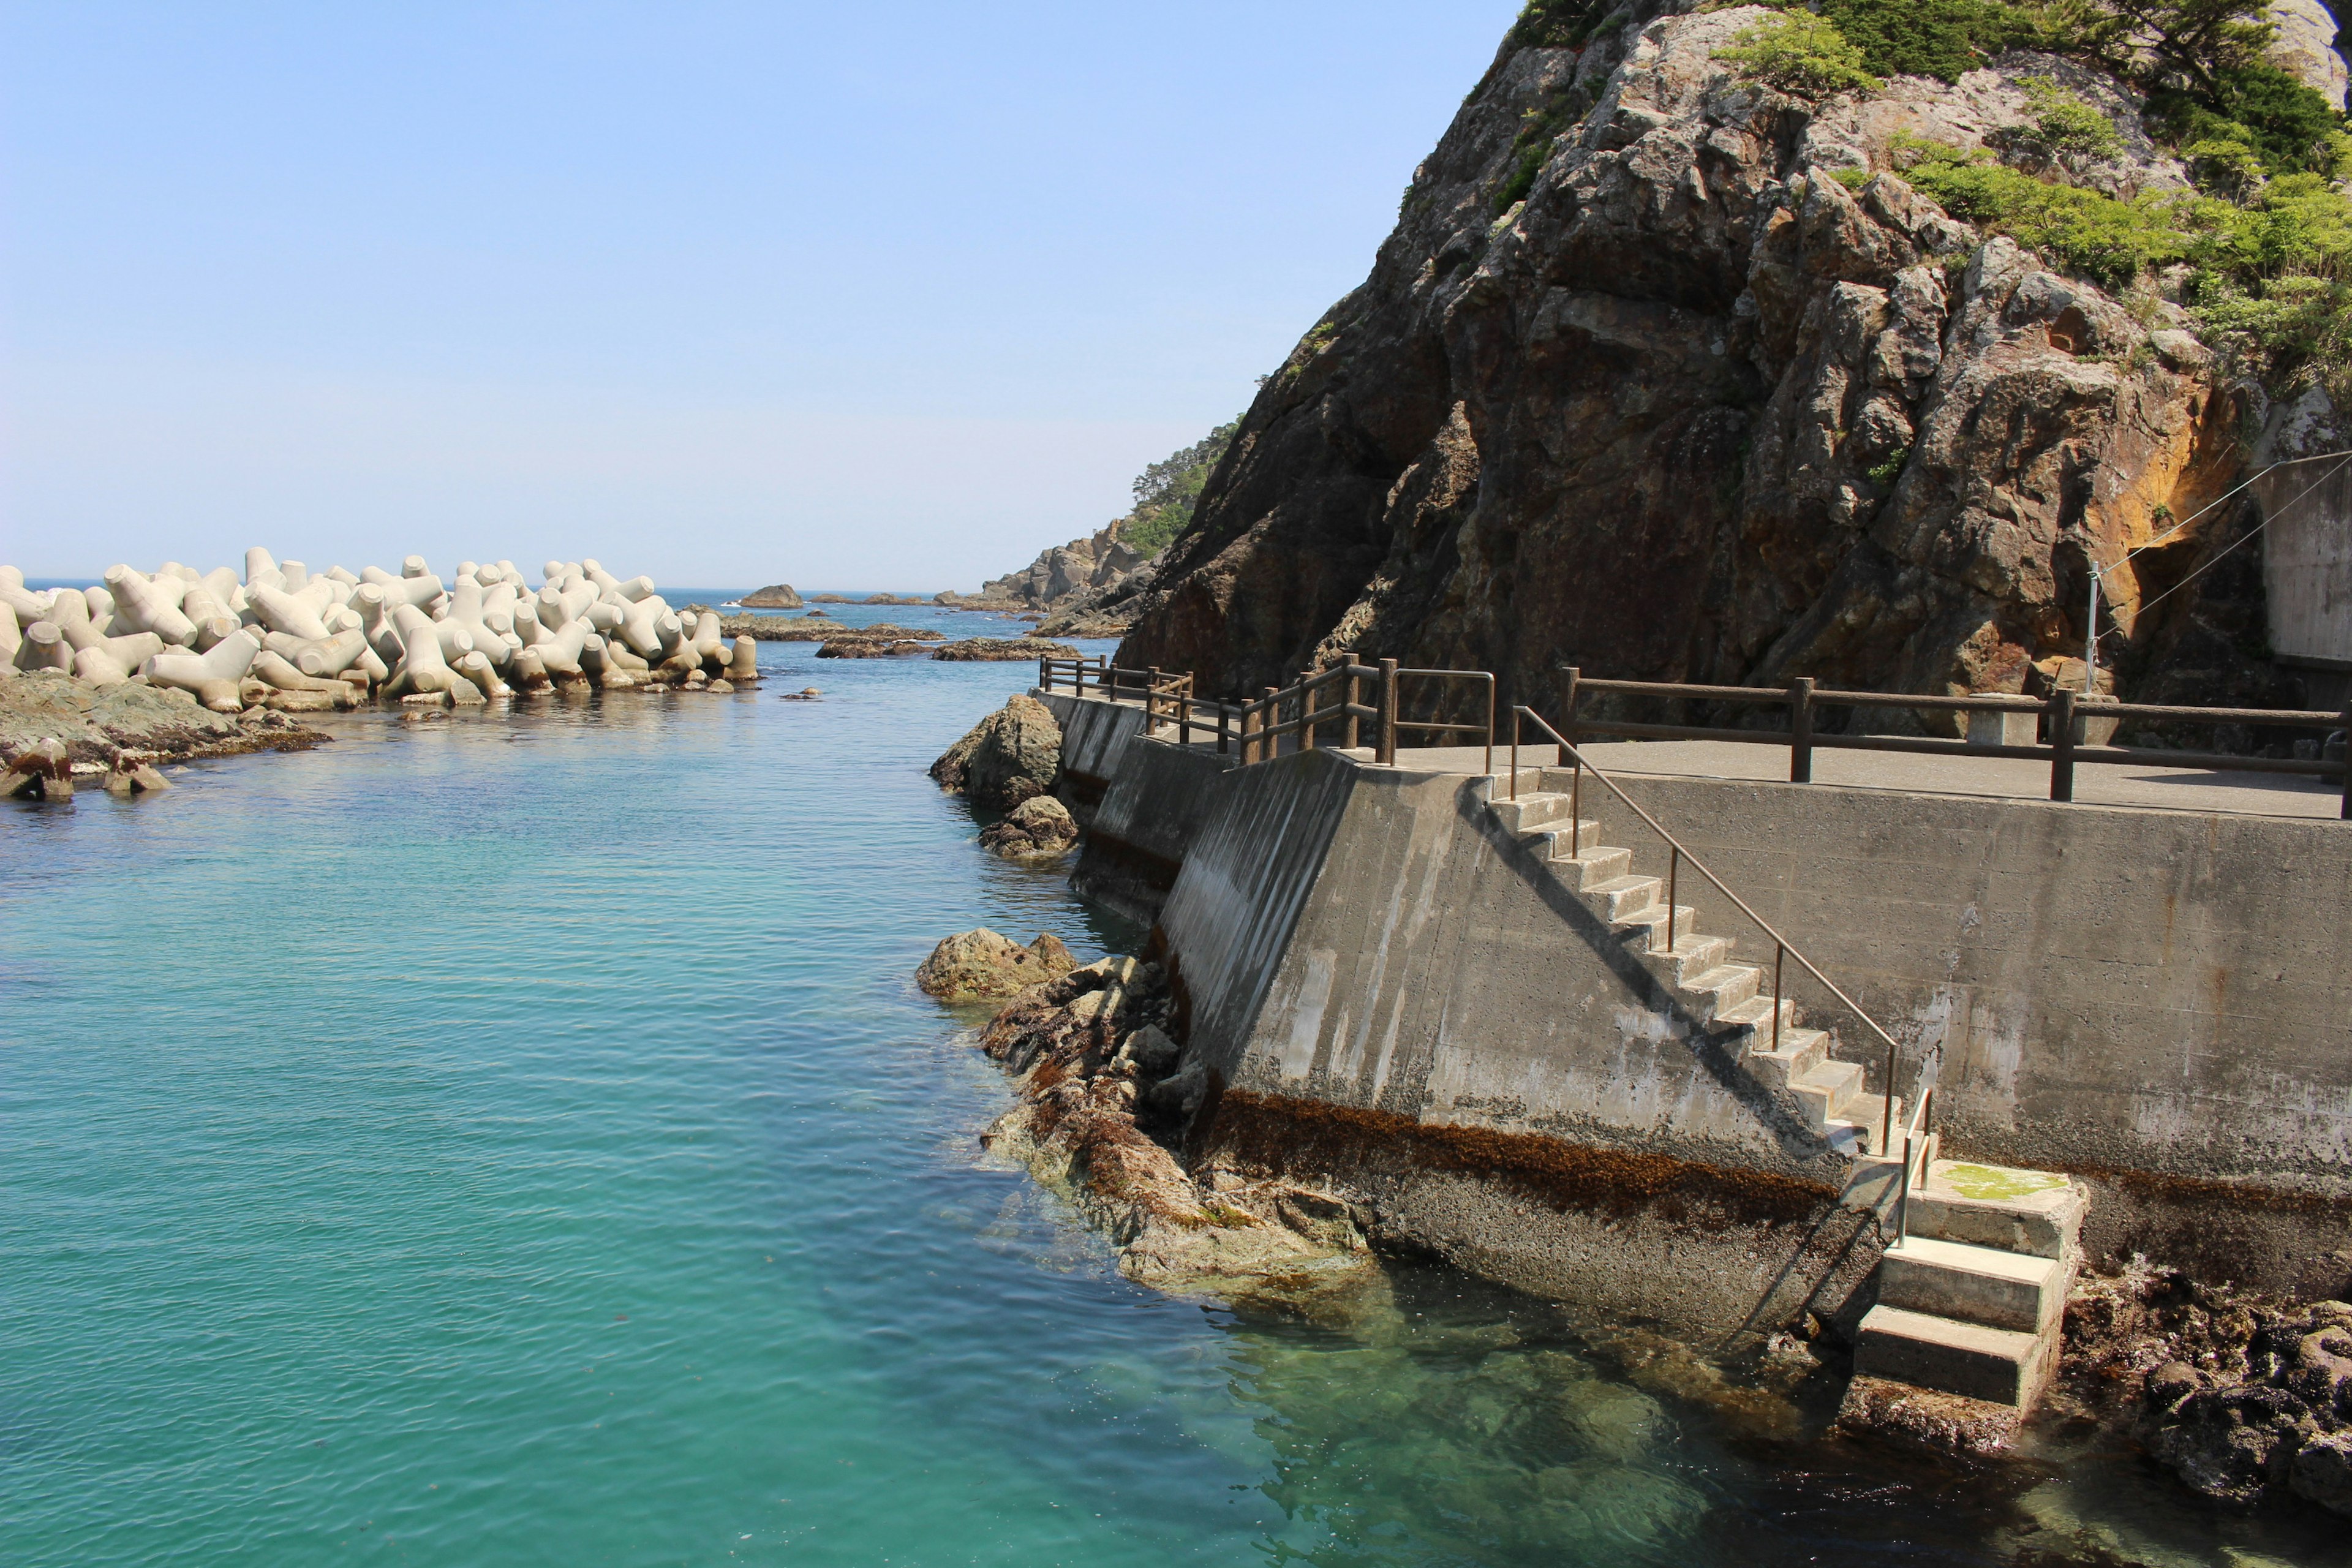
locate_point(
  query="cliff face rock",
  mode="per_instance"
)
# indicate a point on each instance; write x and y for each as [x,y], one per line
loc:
[1091,566]
[1722,399]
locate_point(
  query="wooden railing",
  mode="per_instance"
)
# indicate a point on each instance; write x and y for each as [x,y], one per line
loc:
[1331,704]
[2060,716]
[1324,705]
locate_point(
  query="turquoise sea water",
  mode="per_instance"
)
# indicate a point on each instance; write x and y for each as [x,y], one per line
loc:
[517,1139]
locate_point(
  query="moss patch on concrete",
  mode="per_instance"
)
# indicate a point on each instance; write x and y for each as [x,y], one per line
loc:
[1995,1183]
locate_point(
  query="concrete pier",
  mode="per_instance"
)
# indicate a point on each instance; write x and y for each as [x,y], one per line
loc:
[2149,987]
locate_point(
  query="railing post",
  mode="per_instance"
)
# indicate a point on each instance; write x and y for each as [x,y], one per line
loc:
[1516,710]
[1779,951]
[1490,729]
[1184,713]
[1568,725]
[2345,812]
[1801,730]
[1348,687]
[1151,703]
[1306,706]
[1249,733]
[1269,742]
[1887,1121]
[1225,730]
[1674,877]
[2061,709]
[1388,712]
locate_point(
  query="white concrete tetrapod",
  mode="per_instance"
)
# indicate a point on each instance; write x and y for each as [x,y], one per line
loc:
[297,575]
[45,648]
[421,668]
[12,635]
[282,674]
[477,670]
[527,672]
[101,606]
[200,604]
[226,660]
[560,654]
[745,666]
[414,566]
[138,608]
[223,585]
[210,633]
[638,630]
[618,656]
[10,578]
[456,642]
[332,657]
[371,663]
[70,612]
[259,561]
[605,615]
[709,640]
[669,633]
[99,667]
[369,604]
[28,607]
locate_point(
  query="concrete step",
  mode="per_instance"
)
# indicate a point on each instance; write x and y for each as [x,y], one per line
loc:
[1623,897]
[1693,956]
[1974,1284]
[1756,1013]
[2034,1212]
[1640,931]
[1826,1090]
[1801,1050]
[1529,811]
[1591,866]
[2000,1366]
[1724,985]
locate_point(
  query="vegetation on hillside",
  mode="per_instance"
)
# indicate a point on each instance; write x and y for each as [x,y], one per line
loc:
[2260,250]
[1167,491]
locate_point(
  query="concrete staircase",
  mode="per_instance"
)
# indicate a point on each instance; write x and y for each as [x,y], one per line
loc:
[1971,1295]
[1971,1298]
[1731,1001]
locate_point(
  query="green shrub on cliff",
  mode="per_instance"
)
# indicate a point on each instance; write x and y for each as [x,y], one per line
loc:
[1802,54]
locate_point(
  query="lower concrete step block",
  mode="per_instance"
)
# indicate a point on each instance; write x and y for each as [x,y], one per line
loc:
[1974,1284]
[2000,1366]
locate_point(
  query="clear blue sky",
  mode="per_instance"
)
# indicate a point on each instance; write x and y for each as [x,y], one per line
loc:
[887,295]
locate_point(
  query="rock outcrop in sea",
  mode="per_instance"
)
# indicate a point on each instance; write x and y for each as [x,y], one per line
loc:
[775,597]
[1671,375]
[1012,756]
[1098,1075]
[1039,828]
[981,965]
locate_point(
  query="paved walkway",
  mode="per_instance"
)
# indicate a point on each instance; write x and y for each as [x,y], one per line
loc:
[2095,784]
[2172,789]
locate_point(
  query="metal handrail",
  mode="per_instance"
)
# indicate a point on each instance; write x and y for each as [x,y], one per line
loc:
[1914,1127]
[1783,947]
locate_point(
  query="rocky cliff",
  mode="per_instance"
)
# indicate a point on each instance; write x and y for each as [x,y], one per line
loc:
[1671,375]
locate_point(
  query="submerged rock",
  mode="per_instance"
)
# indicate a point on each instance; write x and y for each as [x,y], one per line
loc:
[981,966]
[1006,650]
[1087,1049]
[1039,828]
[2245,1397]
[1013,755]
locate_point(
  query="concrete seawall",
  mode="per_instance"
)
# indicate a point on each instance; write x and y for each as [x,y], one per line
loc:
[1388,992]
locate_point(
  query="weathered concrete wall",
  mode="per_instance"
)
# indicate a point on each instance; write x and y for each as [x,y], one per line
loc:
[1140,820]
[1391,992]
[2161,1002]
[1258,859]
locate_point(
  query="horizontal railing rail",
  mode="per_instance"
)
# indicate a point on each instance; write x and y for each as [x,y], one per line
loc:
[2063,716]
[1782,949]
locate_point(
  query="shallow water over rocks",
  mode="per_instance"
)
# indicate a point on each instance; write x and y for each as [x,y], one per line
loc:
[520,1140]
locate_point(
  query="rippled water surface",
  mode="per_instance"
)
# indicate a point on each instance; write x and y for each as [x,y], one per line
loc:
[516,1139]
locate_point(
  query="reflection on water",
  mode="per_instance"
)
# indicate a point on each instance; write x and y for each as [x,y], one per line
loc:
[500,1140]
